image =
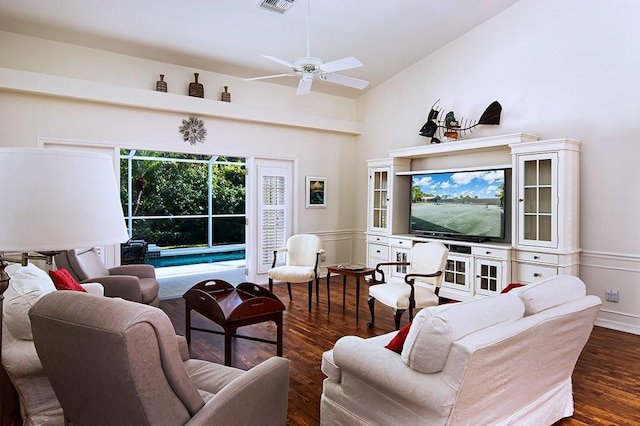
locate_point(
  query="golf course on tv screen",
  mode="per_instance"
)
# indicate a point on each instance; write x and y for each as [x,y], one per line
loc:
[458,204]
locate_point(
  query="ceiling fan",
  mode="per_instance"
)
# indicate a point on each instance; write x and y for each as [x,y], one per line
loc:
[309,67]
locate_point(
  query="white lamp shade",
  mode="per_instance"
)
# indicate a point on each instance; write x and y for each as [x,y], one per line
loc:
[58,200]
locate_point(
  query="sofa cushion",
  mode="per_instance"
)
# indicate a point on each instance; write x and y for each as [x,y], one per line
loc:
[63,280]
[27,285]
[434,329]
[38,402]
[551,292]
[210,378]
[294,274]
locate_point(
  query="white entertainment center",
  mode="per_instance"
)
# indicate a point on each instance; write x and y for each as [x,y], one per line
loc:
[542,211]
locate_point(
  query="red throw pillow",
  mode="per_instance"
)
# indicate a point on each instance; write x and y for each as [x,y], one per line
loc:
[510,287]
[397,342]
[63,280]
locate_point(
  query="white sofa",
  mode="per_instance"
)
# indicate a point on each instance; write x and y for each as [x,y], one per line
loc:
[38,402]
[505,360]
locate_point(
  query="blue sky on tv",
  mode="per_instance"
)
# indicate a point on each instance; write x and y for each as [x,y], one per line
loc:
[481,184]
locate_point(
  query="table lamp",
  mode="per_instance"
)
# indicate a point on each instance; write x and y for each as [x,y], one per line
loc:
[55,200]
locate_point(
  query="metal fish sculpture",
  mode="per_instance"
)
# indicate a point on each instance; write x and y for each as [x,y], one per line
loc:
[451,128]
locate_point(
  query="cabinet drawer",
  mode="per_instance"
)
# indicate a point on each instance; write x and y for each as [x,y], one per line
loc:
[380,239]
[528,256]
[528,273]
[379,251]
[400,242]
[495,253]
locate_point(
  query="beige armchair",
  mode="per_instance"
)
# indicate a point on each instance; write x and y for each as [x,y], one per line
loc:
[112,361]
[420,287]
[131,282]
[303,255]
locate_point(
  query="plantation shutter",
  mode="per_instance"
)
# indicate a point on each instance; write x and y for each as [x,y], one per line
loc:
[274,196]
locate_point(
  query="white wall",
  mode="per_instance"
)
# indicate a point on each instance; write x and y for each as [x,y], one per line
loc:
[82,63]
[560,69]
[39,98]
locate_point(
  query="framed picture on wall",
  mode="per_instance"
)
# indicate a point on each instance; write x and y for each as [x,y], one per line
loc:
[316,190]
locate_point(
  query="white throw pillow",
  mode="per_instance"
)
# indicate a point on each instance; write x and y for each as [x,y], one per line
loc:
[27,285]
[550,293]
[434,329]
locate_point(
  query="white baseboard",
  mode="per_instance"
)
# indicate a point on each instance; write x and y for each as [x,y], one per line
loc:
[618,326]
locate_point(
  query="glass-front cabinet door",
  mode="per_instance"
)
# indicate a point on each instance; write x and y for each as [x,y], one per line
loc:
[538,200]
[488,277]
[380,198]
[457,274]
[399,255]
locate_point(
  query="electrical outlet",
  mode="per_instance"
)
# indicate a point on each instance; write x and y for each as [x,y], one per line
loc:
[323,258]
[612,295]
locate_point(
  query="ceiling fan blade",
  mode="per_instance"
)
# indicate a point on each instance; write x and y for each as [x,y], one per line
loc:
[341,64]
[356,83]
[304,86]
[280,61]
[289,74]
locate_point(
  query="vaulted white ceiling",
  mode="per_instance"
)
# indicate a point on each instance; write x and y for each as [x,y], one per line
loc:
[229,36]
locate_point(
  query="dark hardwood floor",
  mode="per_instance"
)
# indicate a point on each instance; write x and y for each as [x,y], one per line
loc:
[606,379]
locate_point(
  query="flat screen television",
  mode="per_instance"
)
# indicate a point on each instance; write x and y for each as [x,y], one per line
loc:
[464,205]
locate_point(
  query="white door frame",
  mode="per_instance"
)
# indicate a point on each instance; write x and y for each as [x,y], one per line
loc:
[110,254]
[254,165]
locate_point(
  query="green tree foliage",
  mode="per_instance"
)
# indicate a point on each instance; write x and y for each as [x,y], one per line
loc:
[500,195]
[228,183]
[417,194]
[179,188]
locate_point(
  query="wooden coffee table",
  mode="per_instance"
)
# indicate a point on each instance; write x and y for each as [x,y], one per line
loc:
[357,271]
[233,307]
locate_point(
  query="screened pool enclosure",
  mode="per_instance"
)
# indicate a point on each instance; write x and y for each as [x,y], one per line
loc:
[183,202]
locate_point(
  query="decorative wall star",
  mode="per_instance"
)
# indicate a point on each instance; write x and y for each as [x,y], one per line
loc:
[193,130]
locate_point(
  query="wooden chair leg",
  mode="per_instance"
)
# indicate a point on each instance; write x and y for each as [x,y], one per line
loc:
[317,290]
[310,294]
[271,285]
[289,289]
[371,302]
[397,316]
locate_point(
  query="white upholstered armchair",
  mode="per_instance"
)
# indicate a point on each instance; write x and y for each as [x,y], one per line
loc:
[303,253]
[420,287]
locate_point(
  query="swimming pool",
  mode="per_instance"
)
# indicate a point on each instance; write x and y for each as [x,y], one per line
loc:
[195,258]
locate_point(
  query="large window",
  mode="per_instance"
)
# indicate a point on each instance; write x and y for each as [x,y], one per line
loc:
[183,200]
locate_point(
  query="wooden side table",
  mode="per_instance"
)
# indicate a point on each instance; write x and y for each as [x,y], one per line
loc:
[233,307]
[357,271]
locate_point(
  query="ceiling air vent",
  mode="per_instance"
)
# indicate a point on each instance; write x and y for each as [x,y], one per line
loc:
[280,6]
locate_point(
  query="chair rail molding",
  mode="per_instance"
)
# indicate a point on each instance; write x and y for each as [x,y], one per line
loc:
[604,271]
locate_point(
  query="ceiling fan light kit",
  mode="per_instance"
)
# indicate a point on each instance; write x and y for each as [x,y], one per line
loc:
[308,67]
